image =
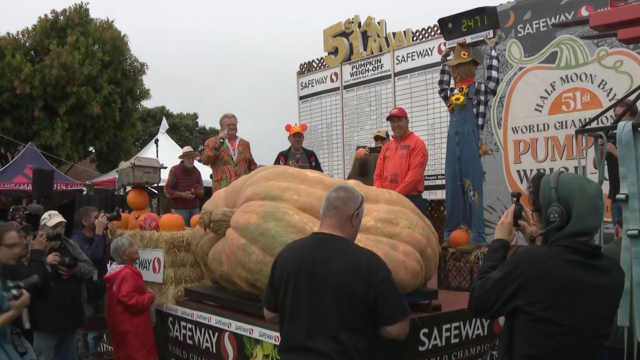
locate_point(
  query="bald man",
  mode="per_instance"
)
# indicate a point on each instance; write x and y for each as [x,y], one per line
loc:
[317,294]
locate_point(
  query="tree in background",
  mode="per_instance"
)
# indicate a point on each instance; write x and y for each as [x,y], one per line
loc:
[70,84]
[184,129]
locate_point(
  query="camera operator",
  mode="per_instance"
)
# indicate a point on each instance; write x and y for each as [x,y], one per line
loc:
[56,320]
[92,238]
[10,309]
[31,261]
[364,167]
[559,299]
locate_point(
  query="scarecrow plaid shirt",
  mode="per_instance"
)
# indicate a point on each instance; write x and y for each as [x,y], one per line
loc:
[485,91]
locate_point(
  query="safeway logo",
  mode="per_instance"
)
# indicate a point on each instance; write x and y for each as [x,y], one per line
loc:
[185,313]
[201,317]
[222,323]
[243,329]
[156,265]
[228,346]
[334,77]
[275,338]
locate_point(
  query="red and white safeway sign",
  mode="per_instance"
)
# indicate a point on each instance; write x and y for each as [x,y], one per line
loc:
[151,265]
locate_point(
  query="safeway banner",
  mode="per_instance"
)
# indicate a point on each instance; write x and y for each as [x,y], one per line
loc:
[151,265]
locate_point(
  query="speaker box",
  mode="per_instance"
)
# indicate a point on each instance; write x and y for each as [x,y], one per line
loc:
[42,184]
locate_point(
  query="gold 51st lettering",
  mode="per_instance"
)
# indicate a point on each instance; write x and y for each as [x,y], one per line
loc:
[345,36]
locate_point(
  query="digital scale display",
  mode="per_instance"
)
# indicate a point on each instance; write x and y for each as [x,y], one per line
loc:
[464,25]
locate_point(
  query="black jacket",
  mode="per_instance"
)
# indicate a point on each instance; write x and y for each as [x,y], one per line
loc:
[314,163]
[37,265]
[559,300]
[63,310]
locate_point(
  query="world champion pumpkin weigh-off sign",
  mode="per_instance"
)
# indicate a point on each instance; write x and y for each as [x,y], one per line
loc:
[545,103]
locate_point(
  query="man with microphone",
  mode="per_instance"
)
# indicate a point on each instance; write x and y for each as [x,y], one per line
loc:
[296,155]
[228,155]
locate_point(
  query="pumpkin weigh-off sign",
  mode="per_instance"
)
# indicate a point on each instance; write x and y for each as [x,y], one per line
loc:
[546,103]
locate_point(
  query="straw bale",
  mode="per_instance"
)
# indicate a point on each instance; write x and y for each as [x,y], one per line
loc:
[180,269]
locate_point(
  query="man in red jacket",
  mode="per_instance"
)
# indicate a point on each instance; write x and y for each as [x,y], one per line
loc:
[184,186]
[402,160]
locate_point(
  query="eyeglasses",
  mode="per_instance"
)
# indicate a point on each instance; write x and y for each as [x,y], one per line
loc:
[13,246]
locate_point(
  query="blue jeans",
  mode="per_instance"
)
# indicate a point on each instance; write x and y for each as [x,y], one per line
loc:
[31,355]
[55,346]
[616,212]
[94,338]
[418,201]
[187,214]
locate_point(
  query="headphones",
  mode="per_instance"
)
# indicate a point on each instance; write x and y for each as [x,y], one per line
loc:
[558,214]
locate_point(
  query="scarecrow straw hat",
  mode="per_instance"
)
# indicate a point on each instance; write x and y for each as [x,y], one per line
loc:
[461,55]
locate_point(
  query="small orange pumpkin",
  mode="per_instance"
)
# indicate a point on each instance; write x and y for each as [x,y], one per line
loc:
[138,199]
[459,237]
[124,223]
[134,218]
[194,220]
[172,222]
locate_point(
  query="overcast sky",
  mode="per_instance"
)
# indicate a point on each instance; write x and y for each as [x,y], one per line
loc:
[213,57]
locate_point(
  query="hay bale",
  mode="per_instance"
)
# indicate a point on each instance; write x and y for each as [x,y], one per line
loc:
[180,266]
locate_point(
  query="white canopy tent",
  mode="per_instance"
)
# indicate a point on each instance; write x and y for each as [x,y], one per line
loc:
[168,152]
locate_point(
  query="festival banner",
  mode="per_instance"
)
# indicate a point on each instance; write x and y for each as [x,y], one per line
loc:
[551,82]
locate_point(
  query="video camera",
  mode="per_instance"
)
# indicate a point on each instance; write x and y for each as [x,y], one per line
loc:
[517,211]
[51,235]
[114,216]
[14,288]
[372,149]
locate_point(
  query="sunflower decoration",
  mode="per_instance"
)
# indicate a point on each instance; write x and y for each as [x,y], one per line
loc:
[464,54]
[450,107]
[484,149]
[457,101]
[462,90]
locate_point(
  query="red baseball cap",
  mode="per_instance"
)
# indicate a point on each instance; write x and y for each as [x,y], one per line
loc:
[399,112]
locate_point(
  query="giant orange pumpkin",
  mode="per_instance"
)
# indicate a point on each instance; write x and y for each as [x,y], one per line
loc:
[459,237]
[138,199]
[252,219]
[172,222]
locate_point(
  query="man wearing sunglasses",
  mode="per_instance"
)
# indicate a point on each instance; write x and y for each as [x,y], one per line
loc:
[331,297]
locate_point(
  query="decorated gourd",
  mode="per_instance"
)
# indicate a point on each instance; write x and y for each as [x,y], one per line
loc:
[149,221]
[138,199]
[194,220]
[172,222]
[243,227]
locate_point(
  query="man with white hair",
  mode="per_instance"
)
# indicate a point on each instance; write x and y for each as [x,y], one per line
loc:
[57,318]
[331,297]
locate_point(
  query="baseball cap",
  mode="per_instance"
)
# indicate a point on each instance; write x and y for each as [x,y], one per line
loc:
[51,218]
[381,133]
[399,112]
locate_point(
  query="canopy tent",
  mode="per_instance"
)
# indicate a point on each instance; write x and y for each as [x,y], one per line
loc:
[168,153]
[18,174]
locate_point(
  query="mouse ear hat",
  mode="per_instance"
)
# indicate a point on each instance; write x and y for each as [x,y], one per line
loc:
[292,129]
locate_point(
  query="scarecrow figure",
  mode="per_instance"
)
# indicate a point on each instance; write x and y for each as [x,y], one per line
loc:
[468,106]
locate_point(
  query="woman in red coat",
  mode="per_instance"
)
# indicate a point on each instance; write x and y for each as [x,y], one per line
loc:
[129,305]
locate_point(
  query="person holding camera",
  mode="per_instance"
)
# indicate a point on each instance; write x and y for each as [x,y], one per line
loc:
[364,166]
[31,262]
[559,299]
[296,155]
[92,238]
[57,319]
[11,308]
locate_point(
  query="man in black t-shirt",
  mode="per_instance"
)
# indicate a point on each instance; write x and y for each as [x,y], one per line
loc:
[331,297]
[613,171]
